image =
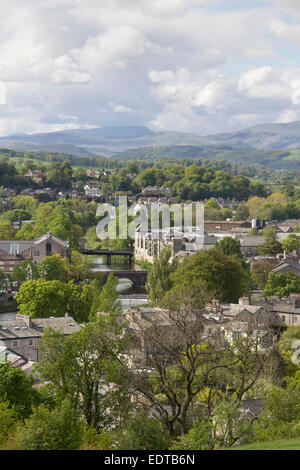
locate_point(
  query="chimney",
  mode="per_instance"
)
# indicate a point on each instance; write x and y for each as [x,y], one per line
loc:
[67,314]
[26,318]
[245,300]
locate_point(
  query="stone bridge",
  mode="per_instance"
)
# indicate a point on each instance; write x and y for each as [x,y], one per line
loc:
[138,278]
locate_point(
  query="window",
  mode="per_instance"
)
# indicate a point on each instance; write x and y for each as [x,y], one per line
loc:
[30,342]
[15,344]
[14,248]
[48,249]
[36,253]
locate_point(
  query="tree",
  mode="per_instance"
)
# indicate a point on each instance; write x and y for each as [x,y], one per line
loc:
[42,299]
[230,247]
[8,419]
[176,359]
[25,272]
[260,271]
[7,231]
[26,232]
[282,285]
[86,368]
[271,245]
[3,281]
[59,429]
[60,174]
[229,424]
[27,203]
[79,267]
[143,432]
[242,212]
[107,301]
[17,390]
[199,437]
[222,274]
[53,268]
[158,279]
[291,243]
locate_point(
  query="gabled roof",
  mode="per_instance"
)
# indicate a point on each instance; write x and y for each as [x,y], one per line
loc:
[25,245]
[19,329]
[286,264]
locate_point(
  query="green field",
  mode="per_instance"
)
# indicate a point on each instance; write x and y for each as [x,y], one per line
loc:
[284,444]
[294,155]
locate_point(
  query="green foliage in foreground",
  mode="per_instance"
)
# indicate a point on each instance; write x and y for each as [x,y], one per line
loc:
[59,429]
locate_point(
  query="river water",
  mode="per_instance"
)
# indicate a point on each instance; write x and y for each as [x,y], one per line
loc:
[129,295]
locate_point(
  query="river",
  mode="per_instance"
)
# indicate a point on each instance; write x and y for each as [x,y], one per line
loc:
[99,264]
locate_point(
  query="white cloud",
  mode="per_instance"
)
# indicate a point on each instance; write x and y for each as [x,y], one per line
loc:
[192,65]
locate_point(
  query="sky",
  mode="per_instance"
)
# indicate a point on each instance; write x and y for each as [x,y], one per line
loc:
[196,66]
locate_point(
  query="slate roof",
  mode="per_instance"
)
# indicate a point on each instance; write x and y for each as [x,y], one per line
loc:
[252,241]
[27,244]
[286,264]
[18,328]
[235,309]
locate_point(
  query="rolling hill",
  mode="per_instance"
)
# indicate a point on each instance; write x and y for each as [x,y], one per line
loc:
[268,144]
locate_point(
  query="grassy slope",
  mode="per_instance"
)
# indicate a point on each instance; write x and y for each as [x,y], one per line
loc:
[284,444]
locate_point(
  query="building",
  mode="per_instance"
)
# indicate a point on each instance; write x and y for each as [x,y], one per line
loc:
[287,310]
[149,245]
[14,252]
[250,244]
[287,266]
[20,336]
[243,320]
[224,225]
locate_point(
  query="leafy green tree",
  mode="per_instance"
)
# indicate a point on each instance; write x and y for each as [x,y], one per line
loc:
[7,231]
[143,432]
[8,420]
[283,404]
[199,437]
[260,271]
[242,212]
[230,247]
[85,367]
[59,429]
[53,268]
[17,390]
[159,277]
[25,272]
[291,243]
[107,301]
[79,267]
[229,424]
[60,174]
[26,232]
[271,245]
[282,285]
[42,299]
[222,274]
[15,215]
[212,204]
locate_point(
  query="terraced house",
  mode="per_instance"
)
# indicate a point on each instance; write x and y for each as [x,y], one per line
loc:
[12,253]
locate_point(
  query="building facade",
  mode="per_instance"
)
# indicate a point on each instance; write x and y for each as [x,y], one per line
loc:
[14,252]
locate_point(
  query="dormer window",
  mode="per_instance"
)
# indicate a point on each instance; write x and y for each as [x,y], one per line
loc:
[14,248]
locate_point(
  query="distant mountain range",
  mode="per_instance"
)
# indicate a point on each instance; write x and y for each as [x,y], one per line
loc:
[115,140]
[99,141]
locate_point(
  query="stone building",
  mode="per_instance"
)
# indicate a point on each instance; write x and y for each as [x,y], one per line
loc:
[14,252]
[21,336]
[149,245]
